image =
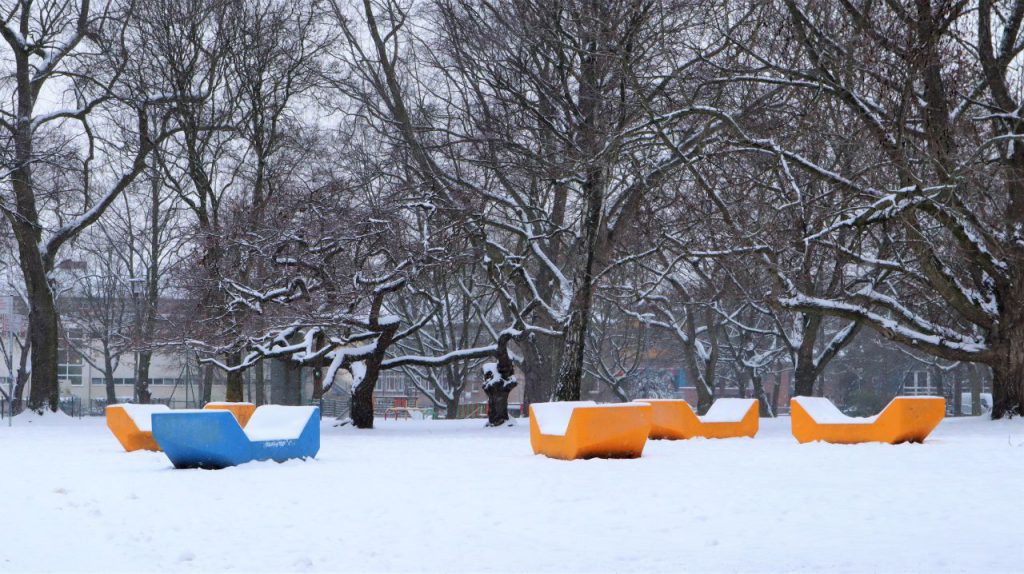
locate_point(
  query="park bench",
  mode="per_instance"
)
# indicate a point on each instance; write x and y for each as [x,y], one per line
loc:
[585,429]
[214,439]
[727,418]
[905,419]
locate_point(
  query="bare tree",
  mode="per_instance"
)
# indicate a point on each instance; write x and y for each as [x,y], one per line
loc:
[70,47]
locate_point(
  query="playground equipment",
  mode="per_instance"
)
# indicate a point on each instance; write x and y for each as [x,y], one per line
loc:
[727,418]
[905,419]
[131,425]
[214,439]
[585,429]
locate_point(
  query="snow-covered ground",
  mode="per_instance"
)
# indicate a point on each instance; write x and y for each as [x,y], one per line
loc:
[456,497]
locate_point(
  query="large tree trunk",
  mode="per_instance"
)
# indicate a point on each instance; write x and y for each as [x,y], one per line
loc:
[142,394]
[499,380]
[497,403]
[1008,381]
[804,377]
[235,390]
[45,389]
[362,397]
[540,368]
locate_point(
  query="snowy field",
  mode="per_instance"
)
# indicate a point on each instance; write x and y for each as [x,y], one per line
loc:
[455,497]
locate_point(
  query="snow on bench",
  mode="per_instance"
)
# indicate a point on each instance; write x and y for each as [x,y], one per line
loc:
[275,422]
[553,418]
[825,413]
[728,411]
[141,414]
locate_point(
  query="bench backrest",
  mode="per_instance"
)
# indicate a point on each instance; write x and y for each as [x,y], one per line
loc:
[276,422]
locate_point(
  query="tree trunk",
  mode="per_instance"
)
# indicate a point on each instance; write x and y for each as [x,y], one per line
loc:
[976,390]
[261,396]
[497,403]
[540,367]
[108,379]
[764,406]
[1008,383]
[958,397]
[142,393]
[318,370]
[235,390]
[207,385]
[45,389]
[804,377]
[451,408]
[362,397]
[570,372]
[499,380]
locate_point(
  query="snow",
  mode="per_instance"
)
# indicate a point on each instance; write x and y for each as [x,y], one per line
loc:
[553,418]
[225,404]
[824,412]
[141,414]
[727,411]
[274,422]
[421,496]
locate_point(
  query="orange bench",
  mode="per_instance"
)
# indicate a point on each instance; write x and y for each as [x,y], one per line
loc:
[132,426]
[905,419]
[727,418]
[242,411]
[585,429]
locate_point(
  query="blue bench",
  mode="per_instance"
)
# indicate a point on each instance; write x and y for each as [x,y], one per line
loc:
[214,439]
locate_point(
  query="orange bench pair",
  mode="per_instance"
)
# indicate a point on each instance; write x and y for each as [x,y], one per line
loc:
[132,426]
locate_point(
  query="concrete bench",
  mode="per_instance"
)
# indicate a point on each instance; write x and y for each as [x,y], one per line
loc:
[585,429]
[214,439]
[905,419]
[727,418]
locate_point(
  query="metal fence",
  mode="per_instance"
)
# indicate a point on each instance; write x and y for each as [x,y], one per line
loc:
[71,406]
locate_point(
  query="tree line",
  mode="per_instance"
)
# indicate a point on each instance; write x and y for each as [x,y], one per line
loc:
[467,189]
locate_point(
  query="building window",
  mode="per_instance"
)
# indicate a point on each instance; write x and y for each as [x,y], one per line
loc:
[391,382]
[122,381]
[69,361]
[918,384]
